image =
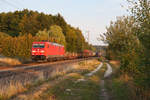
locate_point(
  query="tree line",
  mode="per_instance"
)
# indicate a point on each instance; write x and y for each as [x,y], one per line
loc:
[128,40]
[20,28]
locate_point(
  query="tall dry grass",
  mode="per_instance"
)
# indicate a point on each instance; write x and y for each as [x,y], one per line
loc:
[30,79]
[12,89]
[135,92]
[87,65]
[9,61]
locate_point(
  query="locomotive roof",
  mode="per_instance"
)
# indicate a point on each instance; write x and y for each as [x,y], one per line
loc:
[56,44]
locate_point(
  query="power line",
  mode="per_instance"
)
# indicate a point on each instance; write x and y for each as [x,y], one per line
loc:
[10,4]
[19,3]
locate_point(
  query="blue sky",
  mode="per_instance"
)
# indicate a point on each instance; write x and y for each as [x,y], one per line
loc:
[88,15]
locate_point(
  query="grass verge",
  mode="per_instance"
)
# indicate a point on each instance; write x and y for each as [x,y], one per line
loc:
[77,86]
[13,90]
[117,85]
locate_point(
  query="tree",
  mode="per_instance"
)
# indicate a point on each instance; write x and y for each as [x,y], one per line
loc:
[124,44]
[80,40]
[54,34]
[59,20]
[2,37]
[71,39]
[29,24]
[43,35]
[141,13]
[22,49]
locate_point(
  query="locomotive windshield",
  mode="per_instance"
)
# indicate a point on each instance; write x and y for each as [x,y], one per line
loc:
[38,45]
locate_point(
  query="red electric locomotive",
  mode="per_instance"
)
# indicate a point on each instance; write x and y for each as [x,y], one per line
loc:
[53,51]
[47,51]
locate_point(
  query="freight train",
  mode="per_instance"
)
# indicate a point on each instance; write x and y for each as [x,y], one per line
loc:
[52,51]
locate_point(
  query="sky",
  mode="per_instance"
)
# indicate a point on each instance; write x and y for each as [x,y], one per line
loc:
[91,16]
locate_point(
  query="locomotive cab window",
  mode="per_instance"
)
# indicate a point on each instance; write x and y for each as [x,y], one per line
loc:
[38,45]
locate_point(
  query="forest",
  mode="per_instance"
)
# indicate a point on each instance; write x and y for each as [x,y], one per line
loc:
[20,28]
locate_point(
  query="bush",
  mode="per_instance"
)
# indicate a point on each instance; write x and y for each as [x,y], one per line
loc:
[17,46]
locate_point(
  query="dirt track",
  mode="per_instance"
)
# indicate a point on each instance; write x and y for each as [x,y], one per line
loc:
[103,93]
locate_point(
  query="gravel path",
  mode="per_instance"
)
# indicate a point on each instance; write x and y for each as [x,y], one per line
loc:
[103,93]
[108,72]
[97,69]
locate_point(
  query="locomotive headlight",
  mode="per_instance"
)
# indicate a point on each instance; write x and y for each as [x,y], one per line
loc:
[33,51]
[42,51]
